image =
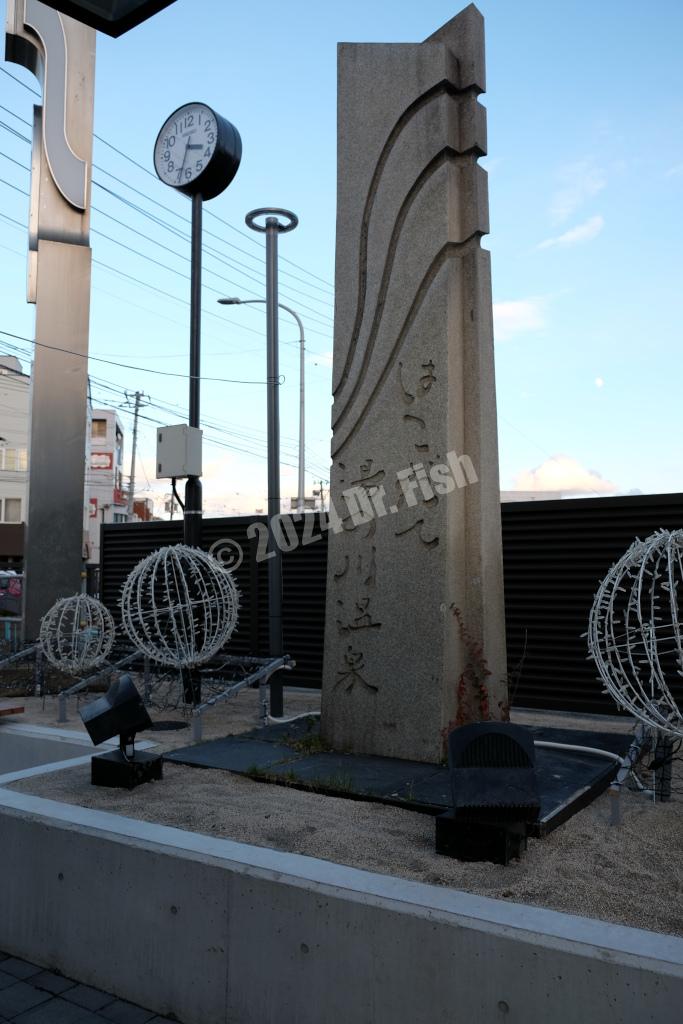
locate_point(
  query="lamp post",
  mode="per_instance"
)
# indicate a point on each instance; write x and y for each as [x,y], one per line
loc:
[277,222]
[302,342]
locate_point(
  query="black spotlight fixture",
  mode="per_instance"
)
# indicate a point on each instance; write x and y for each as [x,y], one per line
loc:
[120,713]
[495,793]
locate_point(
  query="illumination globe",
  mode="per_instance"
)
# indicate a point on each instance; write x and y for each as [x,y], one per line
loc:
[635,626]
[179,606]
[76,634]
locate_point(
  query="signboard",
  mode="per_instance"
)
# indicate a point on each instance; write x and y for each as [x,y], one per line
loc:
[101,460]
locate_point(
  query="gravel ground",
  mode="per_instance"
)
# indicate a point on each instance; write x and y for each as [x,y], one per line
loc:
[629,874]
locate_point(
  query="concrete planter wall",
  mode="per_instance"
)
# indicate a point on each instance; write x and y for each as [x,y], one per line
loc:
[214,931]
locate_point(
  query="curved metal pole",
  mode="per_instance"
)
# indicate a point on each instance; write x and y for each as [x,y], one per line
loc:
[301,486]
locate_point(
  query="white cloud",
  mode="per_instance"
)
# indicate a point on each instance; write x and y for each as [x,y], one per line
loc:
[590,229]
[676,169]
[517,316]
[599,382]
[579,182]
[563,473]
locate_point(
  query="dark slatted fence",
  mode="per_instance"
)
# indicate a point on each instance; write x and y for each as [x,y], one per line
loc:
[303,582]
[555,554]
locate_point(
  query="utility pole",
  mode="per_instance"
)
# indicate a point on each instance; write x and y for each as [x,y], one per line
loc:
[137,397]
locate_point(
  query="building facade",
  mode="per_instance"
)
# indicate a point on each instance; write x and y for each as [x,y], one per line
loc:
[106,500]
[15,400]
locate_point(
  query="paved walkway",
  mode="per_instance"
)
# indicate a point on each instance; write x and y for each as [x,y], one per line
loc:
[31,995]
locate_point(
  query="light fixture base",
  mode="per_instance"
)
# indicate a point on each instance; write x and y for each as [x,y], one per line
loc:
[118,772]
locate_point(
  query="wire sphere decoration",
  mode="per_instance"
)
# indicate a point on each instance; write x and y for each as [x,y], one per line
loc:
[179,606]
[634,630]
[76,634]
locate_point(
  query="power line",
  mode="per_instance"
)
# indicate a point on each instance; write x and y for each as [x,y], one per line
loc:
[156,220]
[126,366]
[164,266]
[185,235]
[146,170]
[207,423]
[147,285]
[211,424]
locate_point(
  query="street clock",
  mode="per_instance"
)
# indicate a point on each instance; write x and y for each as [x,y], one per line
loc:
[197,151]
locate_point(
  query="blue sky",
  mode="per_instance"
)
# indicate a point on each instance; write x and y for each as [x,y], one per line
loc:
[585,106]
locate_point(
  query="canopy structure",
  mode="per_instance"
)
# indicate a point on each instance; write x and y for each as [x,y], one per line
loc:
[114,17]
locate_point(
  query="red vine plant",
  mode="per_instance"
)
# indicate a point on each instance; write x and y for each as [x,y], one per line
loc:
[472,690]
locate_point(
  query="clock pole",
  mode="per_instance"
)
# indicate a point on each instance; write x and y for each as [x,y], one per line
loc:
[192,525]
[216,153]
[192,515]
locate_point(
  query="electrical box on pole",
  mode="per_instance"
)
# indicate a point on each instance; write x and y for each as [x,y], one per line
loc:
[179,451]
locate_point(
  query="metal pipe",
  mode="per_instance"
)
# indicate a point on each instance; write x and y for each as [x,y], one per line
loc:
[273,227]
[19,656]
[301,486]
[273,374]
[598,751]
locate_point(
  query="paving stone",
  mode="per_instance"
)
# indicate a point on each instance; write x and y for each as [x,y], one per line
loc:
[6,980]
[20,968]
[157,1020]
[20,997]
[58,1011]
[4,956]
[90,998]
[51,982]
[121,1012]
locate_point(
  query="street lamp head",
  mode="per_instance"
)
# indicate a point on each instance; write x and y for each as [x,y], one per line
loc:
[230,302]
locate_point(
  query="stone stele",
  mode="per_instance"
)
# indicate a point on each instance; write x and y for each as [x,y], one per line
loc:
[417,535]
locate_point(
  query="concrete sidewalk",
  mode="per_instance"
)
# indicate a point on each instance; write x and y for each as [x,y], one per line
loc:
[31,995]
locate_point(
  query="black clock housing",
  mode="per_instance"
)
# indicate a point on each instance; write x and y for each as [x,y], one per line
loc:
[223,164]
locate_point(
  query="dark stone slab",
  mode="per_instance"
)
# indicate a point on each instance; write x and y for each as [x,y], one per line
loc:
[19,968]
[58,1011]
[6,980]
[238,755]
[121,1012]
[19,997]
[567,780]
[51,982]
[90,998]
[356,774]
[287,732]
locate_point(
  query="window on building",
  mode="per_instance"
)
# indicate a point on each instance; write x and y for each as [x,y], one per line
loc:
[11,510]
[99,429]
[120,517]
[13,459]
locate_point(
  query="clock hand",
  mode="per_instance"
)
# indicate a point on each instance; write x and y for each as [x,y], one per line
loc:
[187,146]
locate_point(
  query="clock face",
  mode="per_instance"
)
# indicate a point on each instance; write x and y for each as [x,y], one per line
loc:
[186,144]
